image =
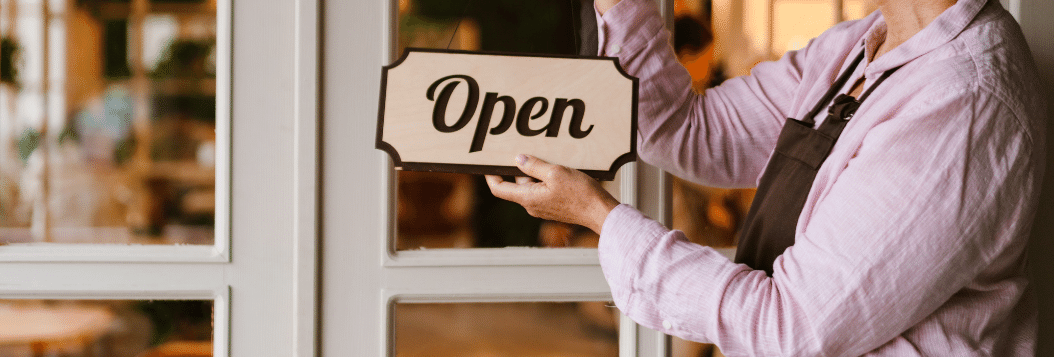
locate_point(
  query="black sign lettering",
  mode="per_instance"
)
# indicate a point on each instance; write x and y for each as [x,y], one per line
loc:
[523,120]
[578,110]
[509,108]
[575,129]
[510,114]
[439,112]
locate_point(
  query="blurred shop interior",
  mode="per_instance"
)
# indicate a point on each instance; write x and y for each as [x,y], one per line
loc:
[108,129]
[108,136]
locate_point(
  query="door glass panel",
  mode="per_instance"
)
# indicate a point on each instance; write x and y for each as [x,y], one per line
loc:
[856,9]
[685,348]
[442,210]
[117,328]
[580,329]
[108,121]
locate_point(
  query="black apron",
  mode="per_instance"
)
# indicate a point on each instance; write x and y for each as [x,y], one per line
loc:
[783,188]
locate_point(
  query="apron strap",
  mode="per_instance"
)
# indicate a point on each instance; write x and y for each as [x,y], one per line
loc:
[835,88]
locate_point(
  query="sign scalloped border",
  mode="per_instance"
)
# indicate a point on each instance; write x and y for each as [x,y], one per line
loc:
[493,169]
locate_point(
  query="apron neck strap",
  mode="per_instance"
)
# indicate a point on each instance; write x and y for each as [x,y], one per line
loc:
[835,88]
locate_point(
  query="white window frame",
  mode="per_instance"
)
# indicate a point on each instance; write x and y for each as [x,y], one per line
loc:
[363,274]
[261,273]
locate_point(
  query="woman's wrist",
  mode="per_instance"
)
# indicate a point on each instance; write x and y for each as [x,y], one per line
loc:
[603,208]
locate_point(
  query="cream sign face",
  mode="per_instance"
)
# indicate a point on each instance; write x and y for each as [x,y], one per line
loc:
[454,111]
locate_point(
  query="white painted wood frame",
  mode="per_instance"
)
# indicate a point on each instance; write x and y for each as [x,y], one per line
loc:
[261,273]
[362,273]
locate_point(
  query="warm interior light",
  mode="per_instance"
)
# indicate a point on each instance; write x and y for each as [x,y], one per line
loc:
[798,21]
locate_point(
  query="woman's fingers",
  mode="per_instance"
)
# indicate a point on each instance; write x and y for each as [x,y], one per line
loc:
[535,167]
[506,190]
[562,194]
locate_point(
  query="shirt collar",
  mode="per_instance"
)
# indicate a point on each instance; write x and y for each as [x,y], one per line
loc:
[939,32]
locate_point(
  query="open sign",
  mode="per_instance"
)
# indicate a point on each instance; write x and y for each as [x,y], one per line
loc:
[456,111]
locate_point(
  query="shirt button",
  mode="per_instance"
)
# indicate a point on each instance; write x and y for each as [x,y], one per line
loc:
[667,325]
[615,49]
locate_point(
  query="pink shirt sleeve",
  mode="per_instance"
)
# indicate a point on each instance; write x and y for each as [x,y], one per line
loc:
[722,138]
[865,270]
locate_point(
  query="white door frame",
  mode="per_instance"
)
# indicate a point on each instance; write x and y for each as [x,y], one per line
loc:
[263,282]
[362,276]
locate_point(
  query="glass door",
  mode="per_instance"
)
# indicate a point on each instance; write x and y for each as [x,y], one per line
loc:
[423,264]
[148,197]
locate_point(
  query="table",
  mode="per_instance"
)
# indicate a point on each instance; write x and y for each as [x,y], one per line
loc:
[44,327]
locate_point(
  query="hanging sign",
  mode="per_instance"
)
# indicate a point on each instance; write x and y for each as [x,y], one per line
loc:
[456,111]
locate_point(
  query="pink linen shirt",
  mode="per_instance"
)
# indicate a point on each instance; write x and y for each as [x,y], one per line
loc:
[912,238]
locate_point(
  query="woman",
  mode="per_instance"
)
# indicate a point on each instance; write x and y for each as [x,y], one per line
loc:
[891,217]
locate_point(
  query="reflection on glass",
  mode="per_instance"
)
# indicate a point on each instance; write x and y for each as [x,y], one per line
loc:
[579,329]
[107,121]
[112,328]
[439,210]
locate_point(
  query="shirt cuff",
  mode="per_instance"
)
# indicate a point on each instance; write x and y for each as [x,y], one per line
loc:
[625,238]
[627,27]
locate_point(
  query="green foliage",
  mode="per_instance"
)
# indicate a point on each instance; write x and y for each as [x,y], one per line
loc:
[186,59]
[10,51]
[69,134]
[29,141]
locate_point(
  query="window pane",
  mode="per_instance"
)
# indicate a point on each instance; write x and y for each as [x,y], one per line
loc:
[856,9]
[708,216]
[790,31]
[440,210]
[108,121]
[684,348]
[113,328]
[580,329]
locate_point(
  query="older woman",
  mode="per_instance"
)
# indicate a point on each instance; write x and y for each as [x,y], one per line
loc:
[898,160]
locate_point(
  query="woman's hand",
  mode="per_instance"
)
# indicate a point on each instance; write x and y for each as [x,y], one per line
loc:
[604,5]
[562,194]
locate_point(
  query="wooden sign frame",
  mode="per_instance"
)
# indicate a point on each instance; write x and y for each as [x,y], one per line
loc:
[508,170]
